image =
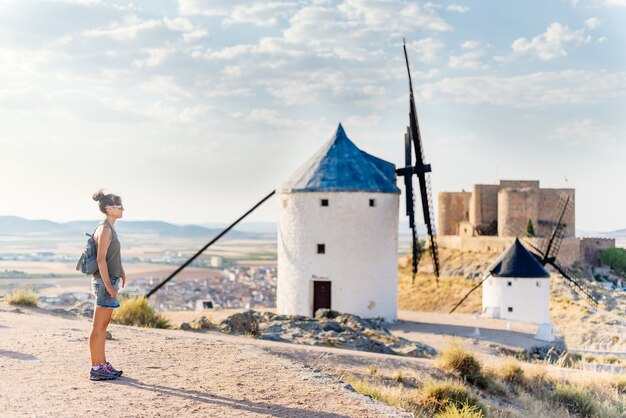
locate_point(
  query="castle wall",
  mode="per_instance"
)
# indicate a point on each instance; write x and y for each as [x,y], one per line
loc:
[590,248]
[453,208]
[518,184]
[549,213]
[515,208]
[569,253]
[483,212]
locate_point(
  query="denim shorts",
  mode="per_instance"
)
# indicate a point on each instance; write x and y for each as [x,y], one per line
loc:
[103,299]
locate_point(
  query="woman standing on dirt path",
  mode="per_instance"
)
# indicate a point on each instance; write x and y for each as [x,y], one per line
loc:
[105,283]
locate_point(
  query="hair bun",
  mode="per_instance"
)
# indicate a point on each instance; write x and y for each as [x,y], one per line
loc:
[97,196]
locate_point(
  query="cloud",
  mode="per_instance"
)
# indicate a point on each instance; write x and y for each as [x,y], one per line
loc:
[273,118]
[592,22]
[154,57]
[469,61]
[457,8]
[531,91]
[261,13]
[207,7]
[585,131]
[470,45]
[189,30]
[127,30]
[426,48]
[550,44]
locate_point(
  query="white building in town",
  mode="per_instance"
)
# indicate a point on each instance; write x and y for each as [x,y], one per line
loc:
[338,234]
[518,287]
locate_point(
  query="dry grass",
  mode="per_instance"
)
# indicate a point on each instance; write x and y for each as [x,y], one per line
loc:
[576,399]
[438,396]
[22,297]
[466,411]
[395,396]
[459,361]
[137,312]
[451,287]
[512,373]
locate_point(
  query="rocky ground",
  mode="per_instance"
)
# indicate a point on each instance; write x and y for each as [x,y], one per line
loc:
[44,364]
[328,328]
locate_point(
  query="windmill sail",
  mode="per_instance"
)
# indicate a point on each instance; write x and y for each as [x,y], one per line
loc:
[421,170]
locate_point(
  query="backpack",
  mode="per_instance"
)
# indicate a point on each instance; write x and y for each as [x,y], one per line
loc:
[88,261]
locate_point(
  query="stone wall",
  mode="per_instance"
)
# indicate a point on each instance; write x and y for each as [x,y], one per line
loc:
[572,249]
[549,213]
[483,211]
[515,208]
[590,248]
[503,209]
[453,209]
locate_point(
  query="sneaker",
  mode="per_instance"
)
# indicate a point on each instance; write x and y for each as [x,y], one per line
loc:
[102,373]
[112,369]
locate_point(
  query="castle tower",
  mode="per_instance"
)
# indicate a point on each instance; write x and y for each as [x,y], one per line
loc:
[519,287]
[338,234]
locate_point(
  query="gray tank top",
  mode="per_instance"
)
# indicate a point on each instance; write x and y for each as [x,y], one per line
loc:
[114,255]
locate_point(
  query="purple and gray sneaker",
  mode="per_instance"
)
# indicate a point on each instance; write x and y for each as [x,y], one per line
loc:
[102,373]
[112,369]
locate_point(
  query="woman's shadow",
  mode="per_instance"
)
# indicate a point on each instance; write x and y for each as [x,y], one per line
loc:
[208,398]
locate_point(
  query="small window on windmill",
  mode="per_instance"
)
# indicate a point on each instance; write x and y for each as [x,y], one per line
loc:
[510,309]
[321,248]
[538,283]
[324,202]
[509,283]
[372,203]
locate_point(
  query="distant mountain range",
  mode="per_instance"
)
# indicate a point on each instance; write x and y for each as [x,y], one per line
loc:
[16,226]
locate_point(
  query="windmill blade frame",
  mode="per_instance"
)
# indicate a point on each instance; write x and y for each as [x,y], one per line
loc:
[576,283]
[420,170]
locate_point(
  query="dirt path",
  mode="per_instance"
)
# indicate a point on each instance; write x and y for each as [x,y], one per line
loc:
[44,364]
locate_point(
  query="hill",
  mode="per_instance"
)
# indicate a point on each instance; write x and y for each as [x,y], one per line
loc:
[582,326]
[16,226]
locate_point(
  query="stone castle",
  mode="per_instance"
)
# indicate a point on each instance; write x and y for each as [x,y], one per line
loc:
[490,217]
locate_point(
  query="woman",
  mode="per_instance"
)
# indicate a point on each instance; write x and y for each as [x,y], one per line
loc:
[105,283]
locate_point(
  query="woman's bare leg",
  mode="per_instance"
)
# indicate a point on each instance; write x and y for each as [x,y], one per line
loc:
[97,338]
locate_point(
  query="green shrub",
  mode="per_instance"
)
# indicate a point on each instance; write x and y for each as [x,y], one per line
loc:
[137,312]
[466,411]
[22,297]
[512,373]
[577,400]
[457,360]
[438,396]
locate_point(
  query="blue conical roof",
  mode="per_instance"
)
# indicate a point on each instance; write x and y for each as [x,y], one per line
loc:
[339,166]
[516,261]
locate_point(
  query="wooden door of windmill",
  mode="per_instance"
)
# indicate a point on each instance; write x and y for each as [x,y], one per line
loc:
[321,295]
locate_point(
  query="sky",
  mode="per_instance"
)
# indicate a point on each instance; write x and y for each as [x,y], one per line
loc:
[194,110]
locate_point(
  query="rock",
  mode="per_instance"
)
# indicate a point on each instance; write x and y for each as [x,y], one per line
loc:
[185,326]
[17,310]
[241,323]
[324,313]
[109,336]
[332,326]
[201,323]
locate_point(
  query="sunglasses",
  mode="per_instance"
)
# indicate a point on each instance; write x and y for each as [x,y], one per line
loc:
[116,207]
